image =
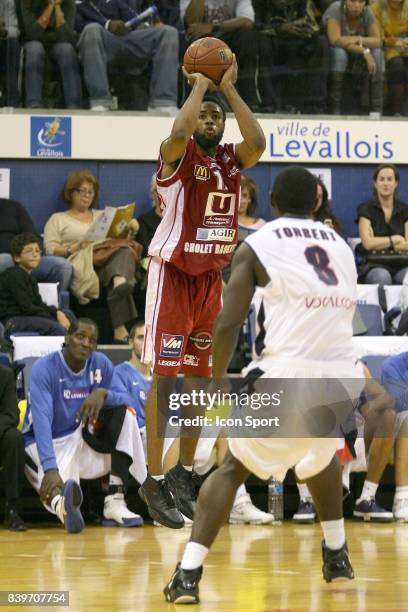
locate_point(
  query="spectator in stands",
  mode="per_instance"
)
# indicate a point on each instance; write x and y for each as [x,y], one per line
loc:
[355,47]
[383,226]
[14,220]
[107,40]
[293,57]
[149,222]
[247,222]
[323,211]
[11,449]
[392,19]
[9,53]
[21,306]
[76,431]
[49,32]
[110,263]
[395,379]
[232,21]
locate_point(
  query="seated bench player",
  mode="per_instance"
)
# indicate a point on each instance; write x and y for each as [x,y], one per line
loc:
[76,428]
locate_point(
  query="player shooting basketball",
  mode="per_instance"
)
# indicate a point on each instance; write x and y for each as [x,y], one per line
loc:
[198,183]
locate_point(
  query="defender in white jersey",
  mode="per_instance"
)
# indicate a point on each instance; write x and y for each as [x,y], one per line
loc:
[307,278]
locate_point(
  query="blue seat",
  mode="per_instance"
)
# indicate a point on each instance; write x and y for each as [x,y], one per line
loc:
[374,363]
[372,318]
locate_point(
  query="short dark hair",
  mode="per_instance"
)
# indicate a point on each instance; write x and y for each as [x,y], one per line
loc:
[20,241]
[215,100]
[138,323]
[81,321]
[294,191]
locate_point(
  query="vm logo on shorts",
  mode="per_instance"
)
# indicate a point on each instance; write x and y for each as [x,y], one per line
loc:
[171,345]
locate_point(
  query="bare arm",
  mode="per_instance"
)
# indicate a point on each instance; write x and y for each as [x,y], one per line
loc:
[251,148]
[354,44]
[194,12]
[185,123]
[236,301]
[371,242]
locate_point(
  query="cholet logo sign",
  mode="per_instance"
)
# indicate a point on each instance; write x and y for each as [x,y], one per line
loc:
[51,137]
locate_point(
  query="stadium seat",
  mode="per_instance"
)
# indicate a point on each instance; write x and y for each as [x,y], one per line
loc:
[372,318]
[374,363]
[367,294]
[392,295]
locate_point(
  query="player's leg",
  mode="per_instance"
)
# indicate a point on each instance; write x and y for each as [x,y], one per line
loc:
[379,431]
[213,509]
[400,505]
[326,490]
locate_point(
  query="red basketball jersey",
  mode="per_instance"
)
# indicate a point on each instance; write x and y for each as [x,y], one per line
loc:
[200,201]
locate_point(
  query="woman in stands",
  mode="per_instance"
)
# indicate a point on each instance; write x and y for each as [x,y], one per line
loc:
[383,229]
[48,31]
[355,45]
[323,212]
[247,222]
[392,19]
[111,263]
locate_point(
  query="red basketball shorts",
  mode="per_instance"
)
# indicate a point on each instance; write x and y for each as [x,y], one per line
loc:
[180,314]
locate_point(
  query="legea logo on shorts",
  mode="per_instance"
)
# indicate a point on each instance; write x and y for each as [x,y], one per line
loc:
[222,234]
[171,345]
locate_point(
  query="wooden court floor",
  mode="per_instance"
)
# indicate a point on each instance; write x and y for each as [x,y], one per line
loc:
[250,569]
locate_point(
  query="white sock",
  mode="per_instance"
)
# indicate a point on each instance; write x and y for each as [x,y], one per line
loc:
[115,480]
[334,533]
[194,556]
[56,505]
[369,490]
[303,490]
[189,468]
[158,476]
[401,492]
[240,493]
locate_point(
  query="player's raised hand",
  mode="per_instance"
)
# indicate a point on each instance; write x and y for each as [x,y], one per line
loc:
[231,75]
[197,77]
[91,407]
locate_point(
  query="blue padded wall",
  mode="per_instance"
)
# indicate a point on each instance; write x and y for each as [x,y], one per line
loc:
[38,184]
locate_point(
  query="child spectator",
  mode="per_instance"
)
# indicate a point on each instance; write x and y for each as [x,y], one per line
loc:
[21,306]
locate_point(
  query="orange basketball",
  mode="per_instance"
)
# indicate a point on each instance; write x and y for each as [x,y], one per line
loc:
[209,56]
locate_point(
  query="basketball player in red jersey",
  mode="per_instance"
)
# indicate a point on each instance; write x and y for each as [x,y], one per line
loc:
[198,183]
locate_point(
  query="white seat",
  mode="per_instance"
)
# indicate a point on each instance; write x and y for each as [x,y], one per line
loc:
[367,294]
[392,295]
[353,242]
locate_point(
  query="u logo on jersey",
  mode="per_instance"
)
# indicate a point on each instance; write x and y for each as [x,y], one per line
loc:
[202,173]
[219,210]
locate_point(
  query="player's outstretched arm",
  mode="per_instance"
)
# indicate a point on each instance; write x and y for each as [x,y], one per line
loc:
[186,120]
[251,148]
[236,301]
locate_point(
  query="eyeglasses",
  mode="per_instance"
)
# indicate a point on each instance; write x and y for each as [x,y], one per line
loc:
[85,192]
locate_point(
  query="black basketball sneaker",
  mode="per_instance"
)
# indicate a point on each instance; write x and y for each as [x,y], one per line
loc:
[183,586]
[336,564]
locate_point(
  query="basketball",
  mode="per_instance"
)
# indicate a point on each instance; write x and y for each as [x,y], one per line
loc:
[209,56]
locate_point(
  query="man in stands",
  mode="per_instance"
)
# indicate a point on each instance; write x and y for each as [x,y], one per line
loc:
[78,429]
[198,182]
[15,220]
[108,41]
